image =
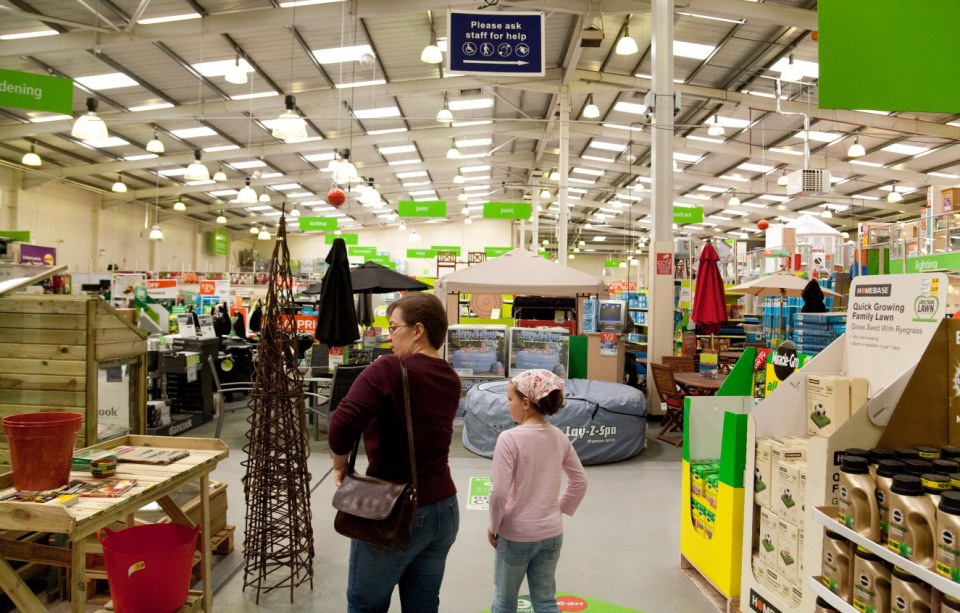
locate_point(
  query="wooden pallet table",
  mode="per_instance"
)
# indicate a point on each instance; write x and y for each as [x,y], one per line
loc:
[82,520]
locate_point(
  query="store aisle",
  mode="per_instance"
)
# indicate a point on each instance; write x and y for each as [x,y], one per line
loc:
[622,547]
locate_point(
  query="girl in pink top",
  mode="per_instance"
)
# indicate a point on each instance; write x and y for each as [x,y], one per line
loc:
[526,501]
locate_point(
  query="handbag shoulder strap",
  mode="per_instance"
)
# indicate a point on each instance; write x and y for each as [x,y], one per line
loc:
[406,409]
[409,419]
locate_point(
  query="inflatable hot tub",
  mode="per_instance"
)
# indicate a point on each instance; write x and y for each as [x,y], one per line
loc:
[475,360]
[606,422]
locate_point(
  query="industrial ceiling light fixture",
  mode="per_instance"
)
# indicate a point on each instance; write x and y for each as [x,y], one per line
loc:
[733,201]
[465,210]
[370,196]
[220,175]
[414,236]
[119,186]
[827,212]
[782,179]
[196,171]
[856,150]
[345,172]
[791,71]
[714,128]
[591,110]
[155,145]
[431,54]
[403,226]
[236,73]
[247,195]
[468,220]
[156,234]
[453,153]
[294,211]
[254,229]
[264,197]
[90,127]
[290,125]
[221,219]
[626,45]
[179,206]
[545,194]
[30,158]
[445,115]
[458,178]
[264,234]
[894,195]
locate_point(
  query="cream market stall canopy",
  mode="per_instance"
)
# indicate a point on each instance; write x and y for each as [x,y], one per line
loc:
[520,272]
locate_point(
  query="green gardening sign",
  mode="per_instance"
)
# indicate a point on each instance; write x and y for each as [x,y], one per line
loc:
[25,90]
[684,215]
[506,210]
[363,252]
[318,224]
[430,208]
[925,263]
[349,239]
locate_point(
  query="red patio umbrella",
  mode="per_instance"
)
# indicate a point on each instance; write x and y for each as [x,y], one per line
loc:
[709,299]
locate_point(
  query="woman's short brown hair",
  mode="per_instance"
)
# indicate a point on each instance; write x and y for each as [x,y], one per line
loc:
[425,309]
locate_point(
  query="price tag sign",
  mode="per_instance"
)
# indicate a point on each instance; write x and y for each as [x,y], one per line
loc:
[185,324]
[665,264]
[206,326]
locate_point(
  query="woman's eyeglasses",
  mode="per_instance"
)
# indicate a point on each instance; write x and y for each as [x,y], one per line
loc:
[393,329]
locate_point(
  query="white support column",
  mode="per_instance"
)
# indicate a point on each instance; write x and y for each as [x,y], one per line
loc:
[660,328]
[564,166]
[534,214]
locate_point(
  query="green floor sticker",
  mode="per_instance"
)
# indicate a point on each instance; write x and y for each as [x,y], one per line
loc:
[478,498]
[570,603]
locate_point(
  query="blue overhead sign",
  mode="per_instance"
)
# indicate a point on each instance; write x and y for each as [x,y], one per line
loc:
[502,43]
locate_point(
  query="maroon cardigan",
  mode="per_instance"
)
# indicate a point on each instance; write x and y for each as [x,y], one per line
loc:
[374,407]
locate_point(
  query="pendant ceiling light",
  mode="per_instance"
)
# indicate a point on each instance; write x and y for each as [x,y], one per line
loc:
[119,187]
[856,150]
[294,212]
[545,193]
[626,45]
[30,158]
[254,229]
[236,74]
[432,54]
[445,115]
[155,145]
[894,195]
[179,206]
[782,179]
[403,226]
[345,172]
[453,153]
[264,197]
[591,110]
[156,234]
[733,201]
[414,236]
[458,179]
[247,194]
[827,213]
[220,175]
[220,217]
[264,234]
[370,196]
[714,128]
[196,171]
[290,125]
[90,127]
[468,221]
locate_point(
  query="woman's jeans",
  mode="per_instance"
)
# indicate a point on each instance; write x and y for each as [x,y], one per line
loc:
[416,568]
[538,562]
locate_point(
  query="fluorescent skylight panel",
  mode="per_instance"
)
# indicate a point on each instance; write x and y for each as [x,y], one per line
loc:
[254,95]
[415,184]
[905,149]
[475,188]
[386,131]
[750,167]
[734,212]
[944,175]
[355,84]
[464,124]
[31,34]
[581,181]
[219,193]
[736,178]
[597,158]
[102,82]
[377,113]
[412,174]
[150,107]
[470,104]
[482,168]
[287,187]
[785,151]
[693,51]
[820,137]
[423,192]
[262,207]
[319,157]
[474,156]
[629,107]
[169,18]
[272,214]
[473,142]
[406,162]
[300,195]
[807,69]
[713,188]
[696,196]
[45,118]
[774,198]
[588,171]
[337,55]
[691,158]
[607,146]
[247,164]
[706,139]
[397,149]
[711,17]
[732,122]
[862,162]
[172,172]
[477,178]
[142,156]
[219,68]
[197,132]
[111,141]
[221,148]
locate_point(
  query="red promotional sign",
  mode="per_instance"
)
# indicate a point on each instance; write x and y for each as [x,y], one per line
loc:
[622,286]
[306,324]
[208,288]
[665,264]
[609,337]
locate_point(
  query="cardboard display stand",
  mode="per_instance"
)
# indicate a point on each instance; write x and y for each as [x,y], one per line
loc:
[896,339]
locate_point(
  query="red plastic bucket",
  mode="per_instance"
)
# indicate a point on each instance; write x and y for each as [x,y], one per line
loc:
[148,566]
[41,448]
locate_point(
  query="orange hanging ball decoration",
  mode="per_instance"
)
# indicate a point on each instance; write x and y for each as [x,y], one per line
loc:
[763,224]
[814,36]
[336,197]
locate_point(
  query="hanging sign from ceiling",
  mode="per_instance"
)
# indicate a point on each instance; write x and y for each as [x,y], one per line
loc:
[503,43]
[506,210]
[36,92]
[428,208]
[318,224]
[348,239]
[683,214]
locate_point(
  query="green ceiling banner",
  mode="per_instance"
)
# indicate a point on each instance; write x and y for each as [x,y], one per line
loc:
[611,263]
[429,208]
[25,90]
[544,254]
[218,242]
[507,210]
[889,55]
[349,239]
[318,224]
[455,248]
[495,252]
[364,252]
[18,235]
[426,254]
[384,260]
[683,214]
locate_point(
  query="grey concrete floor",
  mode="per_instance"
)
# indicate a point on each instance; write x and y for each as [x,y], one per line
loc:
[622,546]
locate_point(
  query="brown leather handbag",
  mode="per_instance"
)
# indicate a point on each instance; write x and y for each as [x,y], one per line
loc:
[377,511]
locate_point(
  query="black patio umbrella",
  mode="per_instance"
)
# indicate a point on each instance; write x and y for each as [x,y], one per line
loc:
[365,309]
[337,318]
[374,278]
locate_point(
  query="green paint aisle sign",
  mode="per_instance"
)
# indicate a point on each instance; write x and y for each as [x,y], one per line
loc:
[318,224]
[429,208]
[426,254]
[478,494]
[506,210]
[349,239]
[363,252]
[495,252]
[454,248]
[684,214]
[25,90]
[218,242]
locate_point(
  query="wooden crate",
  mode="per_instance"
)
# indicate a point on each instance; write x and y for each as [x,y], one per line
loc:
[52,348]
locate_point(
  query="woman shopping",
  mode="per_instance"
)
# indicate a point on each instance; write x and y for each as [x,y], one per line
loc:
[374,408]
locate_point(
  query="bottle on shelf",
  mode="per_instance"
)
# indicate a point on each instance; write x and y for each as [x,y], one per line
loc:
[871,582]
[913,520]
[857,500]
